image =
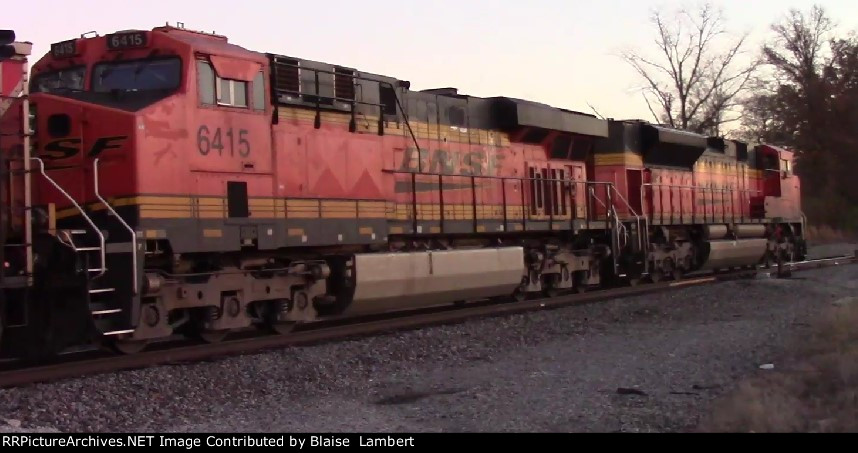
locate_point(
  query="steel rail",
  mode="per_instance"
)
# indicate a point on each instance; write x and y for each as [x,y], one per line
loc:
[326,332]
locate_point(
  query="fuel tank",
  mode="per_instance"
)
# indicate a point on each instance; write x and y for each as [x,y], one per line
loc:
[400,281]
[714,232]
[750,231]
[727,253]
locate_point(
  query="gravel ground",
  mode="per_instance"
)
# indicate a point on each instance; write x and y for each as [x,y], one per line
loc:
[828,250]
[670,353]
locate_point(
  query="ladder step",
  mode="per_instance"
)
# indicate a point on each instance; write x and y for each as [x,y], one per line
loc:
[101,290]
[118,332]
[87,249]
[77,231]
[107,312]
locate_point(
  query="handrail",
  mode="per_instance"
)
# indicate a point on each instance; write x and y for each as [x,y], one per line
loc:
[98,232]
[596,197]
[612,217]
[712,190]
[28,182]
[642,223]
[353,101]
[122,221]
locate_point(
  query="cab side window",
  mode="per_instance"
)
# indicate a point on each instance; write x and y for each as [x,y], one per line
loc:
[206,82]
[232,93]
[259,92]
[215,90]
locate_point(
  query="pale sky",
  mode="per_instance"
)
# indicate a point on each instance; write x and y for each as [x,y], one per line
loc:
[562,53]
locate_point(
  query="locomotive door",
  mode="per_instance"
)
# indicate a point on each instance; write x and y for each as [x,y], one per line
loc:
[549,192]
[578,189]
[647,207]
[536,192]
[771,172]
[634,180]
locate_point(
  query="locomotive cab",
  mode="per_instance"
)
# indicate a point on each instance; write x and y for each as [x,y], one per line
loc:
[779,191]
[127,114]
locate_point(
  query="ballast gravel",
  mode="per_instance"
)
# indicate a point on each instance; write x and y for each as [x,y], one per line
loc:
[649,363]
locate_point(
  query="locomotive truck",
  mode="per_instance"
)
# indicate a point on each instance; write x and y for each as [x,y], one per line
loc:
[167,181]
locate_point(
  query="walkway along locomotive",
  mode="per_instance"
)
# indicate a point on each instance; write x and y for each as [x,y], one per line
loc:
[178,183]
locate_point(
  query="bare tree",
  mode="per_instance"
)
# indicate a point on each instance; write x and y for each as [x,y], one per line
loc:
[807,101]
[695,79]
[798,46]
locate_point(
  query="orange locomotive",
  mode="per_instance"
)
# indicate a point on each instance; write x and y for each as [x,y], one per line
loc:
[183,184]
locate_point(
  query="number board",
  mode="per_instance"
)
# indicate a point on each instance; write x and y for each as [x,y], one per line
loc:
[64,49]
[130,40]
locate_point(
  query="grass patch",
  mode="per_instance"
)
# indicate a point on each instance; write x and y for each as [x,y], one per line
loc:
[824,234]
[816,392]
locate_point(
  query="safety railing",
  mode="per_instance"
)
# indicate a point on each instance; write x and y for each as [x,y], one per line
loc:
[103,265]
[21,136]
[620,230]
[542,191]
[317,99]
[727,198]
[525,188]
[546,209]
[122,221]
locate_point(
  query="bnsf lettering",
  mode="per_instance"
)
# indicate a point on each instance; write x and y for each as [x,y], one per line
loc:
[62,149]
[68,147]
[473,163]
[208,141]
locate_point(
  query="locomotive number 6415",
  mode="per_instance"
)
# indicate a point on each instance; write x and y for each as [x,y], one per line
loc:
[237,141]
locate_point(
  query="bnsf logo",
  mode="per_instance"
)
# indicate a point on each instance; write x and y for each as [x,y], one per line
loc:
[68,147]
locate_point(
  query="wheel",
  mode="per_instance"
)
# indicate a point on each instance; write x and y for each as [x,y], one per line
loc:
[212,336]
[678,273]
[283,327]
[129,347]
[656,276]
[580,283]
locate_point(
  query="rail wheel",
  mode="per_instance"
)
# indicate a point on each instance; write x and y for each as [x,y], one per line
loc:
[679,268]
[282,327]
[129,347]
[550,289]
[270,314]
[580,283]
[212,336]
[656,275]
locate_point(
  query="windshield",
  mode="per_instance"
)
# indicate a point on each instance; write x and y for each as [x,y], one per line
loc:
[60,81]
[141,75]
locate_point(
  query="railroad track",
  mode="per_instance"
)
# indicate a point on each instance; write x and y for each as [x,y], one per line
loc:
[90,362]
